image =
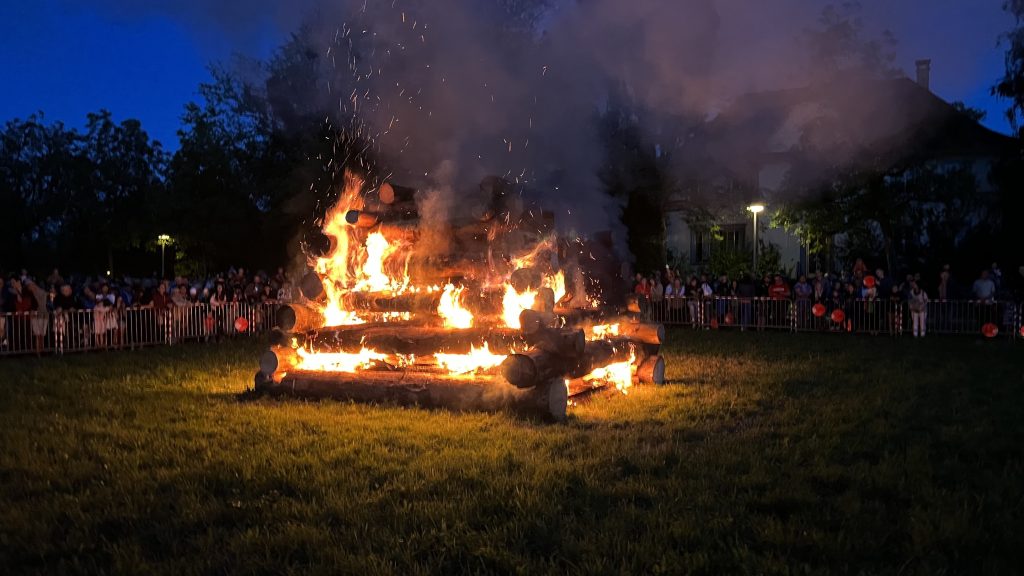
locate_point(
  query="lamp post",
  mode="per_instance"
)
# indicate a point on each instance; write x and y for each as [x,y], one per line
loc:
[755,209]
[163,240]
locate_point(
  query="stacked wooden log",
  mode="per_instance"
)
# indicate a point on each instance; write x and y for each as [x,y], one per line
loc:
[553,355]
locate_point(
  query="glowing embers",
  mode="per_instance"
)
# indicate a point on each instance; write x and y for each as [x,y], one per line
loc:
[338,361]
[477,360]
[451,310]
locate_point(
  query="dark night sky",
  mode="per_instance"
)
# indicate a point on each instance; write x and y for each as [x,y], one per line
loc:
[66,60]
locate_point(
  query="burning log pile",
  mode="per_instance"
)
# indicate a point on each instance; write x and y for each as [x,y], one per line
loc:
[471,314]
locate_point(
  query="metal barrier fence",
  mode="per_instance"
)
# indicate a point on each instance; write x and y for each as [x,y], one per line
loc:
[84,330]
[854,316]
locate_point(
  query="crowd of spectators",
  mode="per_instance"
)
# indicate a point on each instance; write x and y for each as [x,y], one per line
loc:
[859,292]
[42,304]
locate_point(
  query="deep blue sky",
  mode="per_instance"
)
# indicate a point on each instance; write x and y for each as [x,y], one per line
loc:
[66,59]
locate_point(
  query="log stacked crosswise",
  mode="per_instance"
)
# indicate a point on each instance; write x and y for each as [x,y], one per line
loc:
[551,358]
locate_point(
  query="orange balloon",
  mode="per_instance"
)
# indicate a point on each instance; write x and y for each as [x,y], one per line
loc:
[729,319]
[990,330]
[838,316]
[241,324]
[818,309]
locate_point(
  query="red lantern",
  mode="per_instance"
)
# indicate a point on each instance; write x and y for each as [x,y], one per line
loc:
[730,320]
[818,309]
[1022,331]
[209,322]
[838,316]
[990,330]
[869,281]
[241,324]
[714,323]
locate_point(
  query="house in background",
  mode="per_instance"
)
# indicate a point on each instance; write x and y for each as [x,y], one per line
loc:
[766,146]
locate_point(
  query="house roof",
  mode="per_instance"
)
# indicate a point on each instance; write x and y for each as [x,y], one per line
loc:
[843,122]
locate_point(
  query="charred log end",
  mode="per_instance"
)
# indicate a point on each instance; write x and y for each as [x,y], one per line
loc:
[544,301]
[532,321]
[286,318]
[361,219]
[298,318]
[277,359]
[311,286]
[520,370]
[557,399]
[390,194]
[652,370]
[525,279]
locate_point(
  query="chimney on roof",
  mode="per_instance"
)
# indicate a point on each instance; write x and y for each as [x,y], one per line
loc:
[924,73]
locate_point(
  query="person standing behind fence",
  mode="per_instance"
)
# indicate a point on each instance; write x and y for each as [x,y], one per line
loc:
[984,288]
[218,300]
[779,293]
[64,305]
[99,320]
[918,303]
[41,316]
[161,305]
[693,301]
[802,291]
[116,321]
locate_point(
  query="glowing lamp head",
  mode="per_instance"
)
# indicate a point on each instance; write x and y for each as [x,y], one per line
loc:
[756,208]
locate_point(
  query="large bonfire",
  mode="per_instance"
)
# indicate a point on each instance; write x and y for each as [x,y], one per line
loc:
[470,314]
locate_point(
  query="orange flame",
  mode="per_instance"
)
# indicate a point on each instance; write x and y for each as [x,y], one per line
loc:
[513,303]
[451,310]
[602,331]
[350,267]
[334,267]
[477,359]
[338,361]
[557,284]
[618,374]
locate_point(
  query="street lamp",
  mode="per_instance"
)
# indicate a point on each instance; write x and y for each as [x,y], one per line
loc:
[163,240]
[755,209]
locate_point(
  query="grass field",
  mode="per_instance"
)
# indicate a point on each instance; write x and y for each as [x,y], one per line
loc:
[766,454]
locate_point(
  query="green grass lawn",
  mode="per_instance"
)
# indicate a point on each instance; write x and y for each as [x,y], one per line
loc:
[765,454]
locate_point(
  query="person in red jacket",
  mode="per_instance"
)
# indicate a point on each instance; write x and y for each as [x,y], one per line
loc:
[779,290]
[778,312]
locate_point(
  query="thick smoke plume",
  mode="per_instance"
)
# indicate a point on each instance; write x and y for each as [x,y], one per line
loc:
[454,90]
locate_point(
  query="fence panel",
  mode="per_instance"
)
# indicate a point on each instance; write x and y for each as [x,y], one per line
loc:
[861,316]
[128,328]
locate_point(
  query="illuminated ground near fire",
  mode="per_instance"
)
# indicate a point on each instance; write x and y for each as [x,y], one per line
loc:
[764,453]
